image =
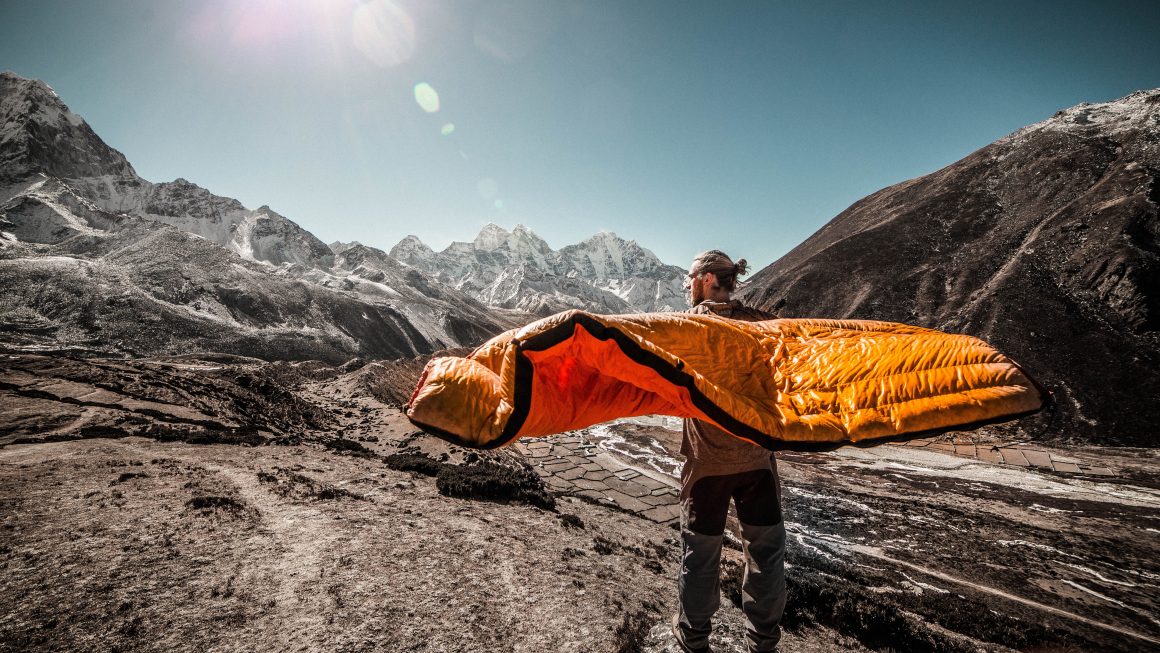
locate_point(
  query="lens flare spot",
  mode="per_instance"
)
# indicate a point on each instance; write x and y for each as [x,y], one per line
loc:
[499,204]
[427,98]
[511,31]
[448,129]
[487,188]
[383,33]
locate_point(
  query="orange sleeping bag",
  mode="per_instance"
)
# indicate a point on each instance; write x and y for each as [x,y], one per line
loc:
[791,380]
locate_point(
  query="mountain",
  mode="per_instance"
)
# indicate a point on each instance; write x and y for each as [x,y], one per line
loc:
[1044,243]
[518,270]
[41,136]
[33,125]
[96,259]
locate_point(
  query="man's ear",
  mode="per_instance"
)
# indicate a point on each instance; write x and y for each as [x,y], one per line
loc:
[712,277]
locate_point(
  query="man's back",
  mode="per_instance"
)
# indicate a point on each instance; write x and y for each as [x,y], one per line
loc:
[715,451]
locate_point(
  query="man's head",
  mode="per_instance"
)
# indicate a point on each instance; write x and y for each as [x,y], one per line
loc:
[713,276]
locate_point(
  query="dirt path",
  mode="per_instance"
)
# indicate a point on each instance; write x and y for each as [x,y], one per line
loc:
[299,538]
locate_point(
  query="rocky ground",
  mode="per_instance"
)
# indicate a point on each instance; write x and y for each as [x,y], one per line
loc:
[230,504]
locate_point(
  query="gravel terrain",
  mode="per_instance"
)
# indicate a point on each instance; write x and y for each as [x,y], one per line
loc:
[298,510]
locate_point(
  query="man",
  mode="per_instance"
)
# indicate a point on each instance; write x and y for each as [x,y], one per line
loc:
[719,467]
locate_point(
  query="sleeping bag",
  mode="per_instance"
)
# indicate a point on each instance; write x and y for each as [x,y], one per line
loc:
[771,382]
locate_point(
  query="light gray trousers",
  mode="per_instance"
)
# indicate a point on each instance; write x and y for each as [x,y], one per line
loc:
[702,533]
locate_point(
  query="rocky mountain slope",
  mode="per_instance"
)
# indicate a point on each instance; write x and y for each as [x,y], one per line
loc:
[1045,243]
[95,258]
[33,125]
[42,137]
[518,270]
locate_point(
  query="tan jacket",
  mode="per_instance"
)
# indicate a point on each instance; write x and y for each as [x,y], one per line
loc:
[708,450]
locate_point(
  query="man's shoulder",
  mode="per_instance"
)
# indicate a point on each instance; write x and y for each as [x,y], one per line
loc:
[732,309]
[704,308]
[751,314]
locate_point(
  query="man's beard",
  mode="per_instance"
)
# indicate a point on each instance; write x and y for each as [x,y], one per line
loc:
[696,292]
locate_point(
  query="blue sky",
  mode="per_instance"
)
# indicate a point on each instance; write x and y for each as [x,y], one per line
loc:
[743,126]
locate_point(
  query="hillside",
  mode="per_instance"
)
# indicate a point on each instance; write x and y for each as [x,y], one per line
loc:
[1045,243]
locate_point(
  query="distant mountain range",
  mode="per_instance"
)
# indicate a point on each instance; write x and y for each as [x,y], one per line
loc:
[1045,243]
[96,259]
[518,270]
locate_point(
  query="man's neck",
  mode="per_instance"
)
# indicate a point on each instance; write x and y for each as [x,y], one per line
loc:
[715,301]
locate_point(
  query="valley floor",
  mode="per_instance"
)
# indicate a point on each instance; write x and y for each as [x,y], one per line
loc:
[320,538]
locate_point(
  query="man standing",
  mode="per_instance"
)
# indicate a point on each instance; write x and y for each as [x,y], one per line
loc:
[719,467]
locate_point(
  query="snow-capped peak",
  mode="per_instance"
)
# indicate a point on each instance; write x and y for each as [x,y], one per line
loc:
[517,269]
[525,240]
[34,123]
[412,251]
[521,241]
[606,255]
[339,247]
[491,237]
[34,100]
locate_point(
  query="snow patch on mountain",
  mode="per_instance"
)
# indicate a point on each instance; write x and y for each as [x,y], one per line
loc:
[259,235]
[1127,115]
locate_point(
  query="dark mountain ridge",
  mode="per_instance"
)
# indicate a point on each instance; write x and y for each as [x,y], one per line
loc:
[1044,243]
